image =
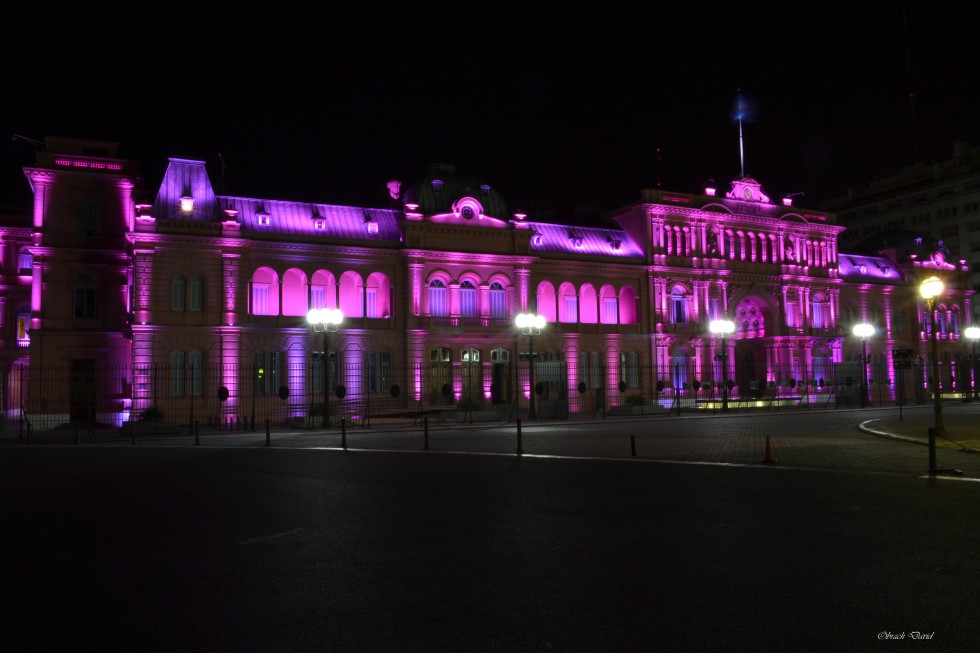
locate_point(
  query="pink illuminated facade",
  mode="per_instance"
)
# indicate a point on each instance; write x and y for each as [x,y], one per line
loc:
[214,291]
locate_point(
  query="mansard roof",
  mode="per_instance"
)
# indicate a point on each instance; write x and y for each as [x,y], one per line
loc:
[302,219]
[582,240]
[872,268]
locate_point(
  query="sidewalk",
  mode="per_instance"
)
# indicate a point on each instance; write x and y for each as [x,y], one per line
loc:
[912,424]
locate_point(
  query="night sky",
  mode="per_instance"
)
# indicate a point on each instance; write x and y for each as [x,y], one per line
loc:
[563,107]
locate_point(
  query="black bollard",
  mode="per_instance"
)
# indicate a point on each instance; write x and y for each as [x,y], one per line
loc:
[268,436]
[425,428]
[78,439]
[197,434]
[633,445]
[520,450]
[134,430]
[343,432]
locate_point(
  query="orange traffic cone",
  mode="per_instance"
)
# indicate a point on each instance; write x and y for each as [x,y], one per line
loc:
[769,459]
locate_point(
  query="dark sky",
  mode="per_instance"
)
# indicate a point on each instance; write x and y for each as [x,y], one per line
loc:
[558,105]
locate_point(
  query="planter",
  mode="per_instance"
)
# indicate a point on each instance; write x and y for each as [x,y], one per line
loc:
[150,427]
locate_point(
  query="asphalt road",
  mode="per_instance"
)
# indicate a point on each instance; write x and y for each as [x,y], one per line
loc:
[251,548]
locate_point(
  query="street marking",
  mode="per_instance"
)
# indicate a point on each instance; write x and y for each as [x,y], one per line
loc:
[950,478]
[270,537]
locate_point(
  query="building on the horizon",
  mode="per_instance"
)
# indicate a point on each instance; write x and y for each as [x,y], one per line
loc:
[936,201]
[119,300]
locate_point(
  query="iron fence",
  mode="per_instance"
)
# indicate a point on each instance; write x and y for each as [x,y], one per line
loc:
[247,397]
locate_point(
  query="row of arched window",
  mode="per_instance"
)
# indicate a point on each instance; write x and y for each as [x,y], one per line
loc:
[295,293]
[585,304]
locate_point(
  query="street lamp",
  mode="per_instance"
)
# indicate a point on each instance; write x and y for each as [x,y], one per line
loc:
[930,289]
[325,321]
[723,328]
[864,331]
[973,333]
[530,325]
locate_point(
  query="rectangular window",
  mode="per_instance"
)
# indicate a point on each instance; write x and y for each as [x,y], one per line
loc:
[87,217]
[596,370]
[195,295]
[318,295]
[371,302]
[85,303]
[275,371]
[196,372]
[23,328]
[25,263]
[177,294]
[792,314]
[678,314]
[177,374]
[571,309]
[498,303]
[386,380]
[371,371]
[900,322]
[258,372]
[610,310]
[260,299]
[437,301]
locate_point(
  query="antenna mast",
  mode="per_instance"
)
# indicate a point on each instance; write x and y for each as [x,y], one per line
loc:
[741,142]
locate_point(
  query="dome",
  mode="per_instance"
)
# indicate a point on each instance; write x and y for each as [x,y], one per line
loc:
[442,188]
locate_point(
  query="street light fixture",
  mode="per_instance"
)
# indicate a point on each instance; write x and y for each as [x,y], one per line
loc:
[530,325]
[325,321]
[930,290]
[864,331]
[973,333]
[723,328]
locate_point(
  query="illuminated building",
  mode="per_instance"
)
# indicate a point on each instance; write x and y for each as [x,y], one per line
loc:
[189,295]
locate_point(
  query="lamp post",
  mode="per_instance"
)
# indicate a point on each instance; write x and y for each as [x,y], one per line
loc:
[973,333]
[723,328]
[530,325]
[864,331]
[930,289]
[325,321]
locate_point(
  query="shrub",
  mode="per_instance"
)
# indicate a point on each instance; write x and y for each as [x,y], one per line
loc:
[635,400]
[469,404]
[152,414]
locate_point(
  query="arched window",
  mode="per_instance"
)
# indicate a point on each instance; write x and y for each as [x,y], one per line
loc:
[627,305]
[294,297]
[610,306]
[589,306]
[178,293]
[678,305]
[377,301]
[438,304]
[195,295]
[265,292]
[323,290]
[351,294]
[567,303]
[85,298]
[498,300]
[25,262]
[547,306]
[819,313]
[467,300]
